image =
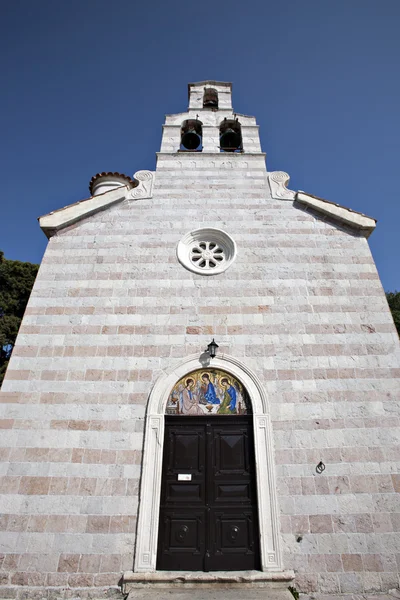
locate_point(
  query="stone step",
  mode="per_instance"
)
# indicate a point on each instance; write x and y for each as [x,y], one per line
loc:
[214,592]
[218,585]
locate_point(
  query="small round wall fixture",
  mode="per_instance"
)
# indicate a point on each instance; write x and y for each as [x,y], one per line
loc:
[206,251]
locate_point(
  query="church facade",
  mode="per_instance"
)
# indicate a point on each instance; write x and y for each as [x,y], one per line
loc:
[205,381]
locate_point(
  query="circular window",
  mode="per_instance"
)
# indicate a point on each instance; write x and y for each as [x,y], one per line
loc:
[206,251]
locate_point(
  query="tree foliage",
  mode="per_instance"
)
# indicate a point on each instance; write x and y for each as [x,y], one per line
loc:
[16,281]
[393,299]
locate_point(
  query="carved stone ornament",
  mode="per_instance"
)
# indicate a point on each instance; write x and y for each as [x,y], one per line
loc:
[206,251]
[145,187]
[278,181]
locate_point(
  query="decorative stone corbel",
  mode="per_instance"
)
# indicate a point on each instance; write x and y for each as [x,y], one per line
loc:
[145,187]
[278,181]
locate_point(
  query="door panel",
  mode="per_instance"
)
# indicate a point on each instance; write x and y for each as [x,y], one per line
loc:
[232,543]
[230,451]
[182,546]
[185,451]
[184,455]
[208,511]
[188,492]
[231,493]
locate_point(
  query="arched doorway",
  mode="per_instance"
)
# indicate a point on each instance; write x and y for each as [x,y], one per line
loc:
[208,510]
[150,491]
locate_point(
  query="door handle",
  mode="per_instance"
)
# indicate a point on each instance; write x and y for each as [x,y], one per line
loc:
[181,533]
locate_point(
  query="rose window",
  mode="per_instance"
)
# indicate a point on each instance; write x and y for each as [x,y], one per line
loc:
[206,251]
[207,255]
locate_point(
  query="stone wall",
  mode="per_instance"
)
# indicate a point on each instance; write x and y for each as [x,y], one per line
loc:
[302,306]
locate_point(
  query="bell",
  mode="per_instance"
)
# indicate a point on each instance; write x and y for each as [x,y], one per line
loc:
[190,139]
[230,140]
[210,99]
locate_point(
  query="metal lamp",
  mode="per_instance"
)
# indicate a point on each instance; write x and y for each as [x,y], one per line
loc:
[212,348]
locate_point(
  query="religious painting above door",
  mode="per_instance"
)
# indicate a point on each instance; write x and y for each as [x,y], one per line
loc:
[208,392]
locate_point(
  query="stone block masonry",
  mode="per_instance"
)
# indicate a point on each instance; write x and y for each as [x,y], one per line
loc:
[302,305]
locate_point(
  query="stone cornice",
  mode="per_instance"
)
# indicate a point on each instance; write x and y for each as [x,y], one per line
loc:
[215,155]
[278,181]
[210,82]
[63,217]
[71,214]
[346,216]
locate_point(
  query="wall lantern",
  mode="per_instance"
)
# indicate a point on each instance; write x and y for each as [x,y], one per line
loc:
[212,348]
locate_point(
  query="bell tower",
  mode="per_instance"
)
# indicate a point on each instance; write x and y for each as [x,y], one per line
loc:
[210,126]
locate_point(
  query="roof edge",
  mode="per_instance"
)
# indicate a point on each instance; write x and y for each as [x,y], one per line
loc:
[72,213]
[347,216]
[209,82]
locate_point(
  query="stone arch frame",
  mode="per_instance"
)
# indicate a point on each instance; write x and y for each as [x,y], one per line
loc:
[150,486]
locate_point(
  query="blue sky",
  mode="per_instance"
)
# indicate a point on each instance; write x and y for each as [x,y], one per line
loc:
[86,85]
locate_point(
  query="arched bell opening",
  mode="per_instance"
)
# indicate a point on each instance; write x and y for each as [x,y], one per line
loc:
[210,98]
[230,136]
[191,136]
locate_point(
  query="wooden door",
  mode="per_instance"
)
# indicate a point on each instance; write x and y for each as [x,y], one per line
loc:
[208,511]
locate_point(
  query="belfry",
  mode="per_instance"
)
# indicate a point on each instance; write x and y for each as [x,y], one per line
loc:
[205,386]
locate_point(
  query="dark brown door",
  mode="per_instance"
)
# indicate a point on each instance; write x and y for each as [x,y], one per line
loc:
[208,512]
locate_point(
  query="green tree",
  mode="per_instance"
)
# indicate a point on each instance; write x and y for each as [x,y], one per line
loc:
[393,299]
[16,281]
